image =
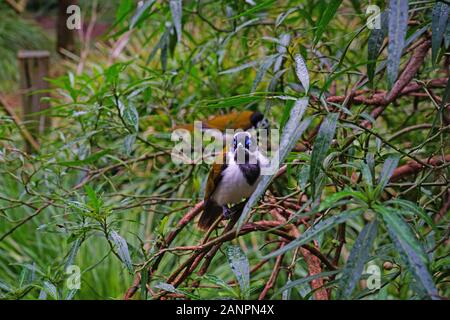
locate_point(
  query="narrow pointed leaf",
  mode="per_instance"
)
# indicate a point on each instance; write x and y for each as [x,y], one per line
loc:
[283,16]
[73,252]
[329,13]
[388,169]
[358,257]
[284,41]
[374,44]
[176,8]
[170,288]
[131,116]
[302,71]
[298,282]
[321,146]
[50,288]
[88,160]
[260,6]
[239,68]
[410,250]
[398,24]
[122,249]
[140,12]
[409,208]
[331,200]
[239,265]
[219,282]
[446,96]
[316,230]
[438,27]
[265,65]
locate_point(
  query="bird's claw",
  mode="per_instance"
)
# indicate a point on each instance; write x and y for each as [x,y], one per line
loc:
[227,213]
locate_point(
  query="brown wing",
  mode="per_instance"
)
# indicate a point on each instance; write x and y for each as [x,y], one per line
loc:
[190,126]
[215,175]
[232,120]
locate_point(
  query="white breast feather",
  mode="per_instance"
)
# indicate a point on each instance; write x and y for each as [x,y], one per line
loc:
[233,186]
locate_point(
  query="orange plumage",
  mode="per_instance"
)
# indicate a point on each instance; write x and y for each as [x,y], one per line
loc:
[233,120]
[211,213]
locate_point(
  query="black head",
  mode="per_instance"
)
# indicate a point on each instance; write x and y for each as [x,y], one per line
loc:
[258,121]
[242,140]
[244,148]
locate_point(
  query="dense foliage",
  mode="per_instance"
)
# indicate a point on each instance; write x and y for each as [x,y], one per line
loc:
[16,34]
[364,186]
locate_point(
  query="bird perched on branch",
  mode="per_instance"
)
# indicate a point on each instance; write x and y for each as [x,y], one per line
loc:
[244,120]
[233,177]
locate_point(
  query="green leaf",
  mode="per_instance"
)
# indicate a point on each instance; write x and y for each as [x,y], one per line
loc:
[139,13]
[367,176]
[316,230]
[321,146]
[286,112]
[122,249]
[410,250]
[256,8]
[240,267]
[282,16]
[219,282]
[329,13]
[5,287]
[265,65]
[303,176]
[356,260]
[176,8]
[292,131]
[298,282]
[73,252]
[92,196]
[446,96]
[159,46]
[144,281]
[26,277]
[374,44]
[50,289]
[131,116]
[170,288]
[239,68]
[71,294]
[233,101]
[128,143]
[331,200]
[88,160]
[356,5]
[447,36]
[124,8]
[409,208]
[388,169]
[283,43]
[438,26]
[301,71]
[398,24]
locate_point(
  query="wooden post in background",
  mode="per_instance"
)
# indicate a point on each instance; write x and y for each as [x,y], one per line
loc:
[34,67]
[65,38]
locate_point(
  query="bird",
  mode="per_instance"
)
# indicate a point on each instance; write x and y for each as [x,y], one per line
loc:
[244,120]
[232,179]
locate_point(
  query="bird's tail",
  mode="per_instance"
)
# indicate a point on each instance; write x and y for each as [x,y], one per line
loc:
[210,214]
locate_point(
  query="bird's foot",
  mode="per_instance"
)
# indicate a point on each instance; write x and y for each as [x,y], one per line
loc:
[227,212]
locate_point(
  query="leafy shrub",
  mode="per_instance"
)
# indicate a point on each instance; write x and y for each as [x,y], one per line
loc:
[367,184]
